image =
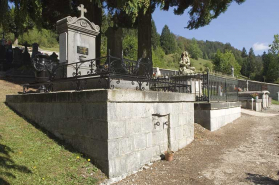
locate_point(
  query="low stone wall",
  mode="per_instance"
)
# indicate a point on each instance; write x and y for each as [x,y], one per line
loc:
[121,130]
[213,116]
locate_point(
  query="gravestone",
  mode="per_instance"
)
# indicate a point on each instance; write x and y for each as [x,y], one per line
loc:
[114,41]
[9,57]
[2,57]
[17,56]
[3,41]
[26,56]
[77,41]
[35,49]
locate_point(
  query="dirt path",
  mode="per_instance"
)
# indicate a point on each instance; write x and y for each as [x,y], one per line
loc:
[244,152]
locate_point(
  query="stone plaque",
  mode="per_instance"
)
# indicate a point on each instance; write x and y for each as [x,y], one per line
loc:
[82,50]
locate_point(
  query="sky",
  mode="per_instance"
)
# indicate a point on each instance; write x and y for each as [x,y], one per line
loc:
[251,24]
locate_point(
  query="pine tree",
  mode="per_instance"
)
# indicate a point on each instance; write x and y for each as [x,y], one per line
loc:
[244,53]
[155,36]
[194,50]
[168,42]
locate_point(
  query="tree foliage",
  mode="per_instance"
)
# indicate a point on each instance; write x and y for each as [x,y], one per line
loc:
[274,47]
[194,50]
[167,40]
[223,62]
[155,36]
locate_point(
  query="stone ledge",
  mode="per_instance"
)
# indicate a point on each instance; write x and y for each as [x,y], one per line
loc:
[101,95]
[216,105]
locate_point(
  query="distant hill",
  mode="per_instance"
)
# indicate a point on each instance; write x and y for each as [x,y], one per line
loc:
[209,48]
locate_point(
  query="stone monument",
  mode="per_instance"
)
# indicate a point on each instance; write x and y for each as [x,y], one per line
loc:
[35,49]
[185,64]
[3,41]
[77,41]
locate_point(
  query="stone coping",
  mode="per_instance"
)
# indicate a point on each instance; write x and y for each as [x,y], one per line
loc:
[216,105]
[251,92]
[102,95]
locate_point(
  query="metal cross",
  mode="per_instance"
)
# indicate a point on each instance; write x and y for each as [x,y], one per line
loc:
[82,10]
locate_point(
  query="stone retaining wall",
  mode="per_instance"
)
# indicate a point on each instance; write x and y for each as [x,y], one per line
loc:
[213,116]
[121,130]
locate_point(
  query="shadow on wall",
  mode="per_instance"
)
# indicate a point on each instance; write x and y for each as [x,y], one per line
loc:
[7,164]
[260,179]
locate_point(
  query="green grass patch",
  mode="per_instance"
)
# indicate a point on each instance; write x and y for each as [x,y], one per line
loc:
[29,156]
[275,102]
[201,64]
[55,49]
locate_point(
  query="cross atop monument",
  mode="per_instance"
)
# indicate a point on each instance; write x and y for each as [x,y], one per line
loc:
[82,10]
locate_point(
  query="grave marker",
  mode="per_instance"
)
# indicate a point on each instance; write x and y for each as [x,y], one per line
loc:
[77,41]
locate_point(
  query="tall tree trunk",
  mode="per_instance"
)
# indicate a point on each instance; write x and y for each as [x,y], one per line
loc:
[144,35]
[16,39]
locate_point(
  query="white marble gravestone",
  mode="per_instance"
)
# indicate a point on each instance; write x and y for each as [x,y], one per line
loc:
[77,41]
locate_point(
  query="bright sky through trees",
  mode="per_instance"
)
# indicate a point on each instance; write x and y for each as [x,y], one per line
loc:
[251,24]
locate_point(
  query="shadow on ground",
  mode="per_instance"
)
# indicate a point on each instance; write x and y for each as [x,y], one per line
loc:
[260,179]
[19,80]
[6,163]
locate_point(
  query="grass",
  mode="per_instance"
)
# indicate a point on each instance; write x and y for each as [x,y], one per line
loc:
[55,49]
[275,102]
[172,63]
[30,156]
[199,64]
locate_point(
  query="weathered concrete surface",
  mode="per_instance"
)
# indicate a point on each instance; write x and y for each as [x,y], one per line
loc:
[117,128]
[213,116]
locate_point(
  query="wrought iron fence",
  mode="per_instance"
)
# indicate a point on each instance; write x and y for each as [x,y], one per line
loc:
[107,72]
[214,88]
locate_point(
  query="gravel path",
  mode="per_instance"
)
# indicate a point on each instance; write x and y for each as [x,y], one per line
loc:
[243,152]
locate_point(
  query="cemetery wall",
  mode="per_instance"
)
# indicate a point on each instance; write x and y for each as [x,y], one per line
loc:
[260,86]
[121,130]
[213,116]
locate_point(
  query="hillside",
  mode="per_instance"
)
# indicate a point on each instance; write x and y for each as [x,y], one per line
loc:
[29,155]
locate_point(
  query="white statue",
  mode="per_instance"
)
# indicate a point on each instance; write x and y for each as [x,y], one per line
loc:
[185,64]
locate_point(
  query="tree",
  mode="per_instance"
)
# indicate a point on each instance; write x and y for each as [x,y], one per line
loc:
[21,17]
[201,13]
[155,36]
[244,53]
[167,40]
[224,61]
[194,50]
[251,63]
[274,47]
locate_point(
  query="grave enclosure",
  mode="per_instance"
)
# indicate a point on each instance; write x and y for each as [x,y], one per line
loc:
[117,113]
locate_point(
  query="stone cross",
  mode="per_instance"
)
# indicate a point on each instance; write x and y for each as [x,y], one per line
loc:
[82,10]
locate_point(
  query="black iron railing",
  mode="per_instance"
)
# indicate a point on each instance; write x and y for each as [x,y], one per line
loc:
[108,72]
[211,87]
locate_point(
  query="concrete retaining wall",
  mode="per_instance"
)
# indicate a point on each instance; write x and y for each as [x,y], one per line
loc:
[213,116]
[121,130]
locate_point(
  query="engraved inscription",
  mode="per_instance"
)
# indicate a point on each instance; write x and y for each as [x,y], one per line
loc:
[82,50]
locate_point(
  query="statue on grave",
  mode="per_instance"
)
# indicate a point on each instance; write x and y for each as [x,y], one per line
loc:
[185,64]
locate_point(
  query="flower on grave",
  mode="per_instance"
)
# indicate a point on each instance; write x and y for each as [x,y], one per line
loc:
[88,160]
[43,178]
[77,157]
[254,95]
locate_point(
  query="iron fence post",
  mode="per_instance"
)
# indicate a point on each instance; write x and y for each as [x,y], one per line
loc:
[208,97]
[108,68]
